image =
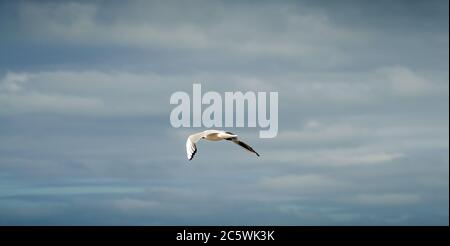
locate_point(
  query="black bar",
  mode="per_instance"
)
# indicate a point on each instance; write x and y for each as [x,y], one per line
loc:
[142,234]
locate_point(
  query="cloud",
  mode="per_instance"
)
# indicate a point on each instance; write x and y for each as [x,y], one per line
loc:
[136,205]
[42,103]
[390,199]
[80,22]
[67,190]
[84,113]
[334,158]
[17,97]
[12,82]
[104,92]
[405,82]
[302,183]
[332,215]
[70,19]
[85,93]
[313,132]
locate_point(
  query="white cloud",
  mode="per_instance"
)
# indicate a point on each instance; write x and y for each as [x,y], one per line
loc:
[329,214]
[405,82]
[364,141]
[313,132]
[332,157]
[387,199]
[66,190]
[312,124]
[17,96]
[132,204]
[86,93]
[94,92]
[12,82]
[331,90]
[371,158]
[302,183]
[375,87]
[45,103]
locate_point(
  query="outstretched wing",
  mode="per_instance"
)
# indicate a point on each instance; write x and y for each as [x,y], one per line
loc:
[191,147]
[243,145]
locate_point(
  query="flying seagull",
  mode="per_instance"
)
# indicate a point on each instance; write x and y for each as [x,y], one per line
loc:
[213,135]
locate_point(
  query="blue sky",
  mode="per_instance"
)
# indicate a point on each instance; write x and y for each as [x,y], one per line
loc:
[85,137]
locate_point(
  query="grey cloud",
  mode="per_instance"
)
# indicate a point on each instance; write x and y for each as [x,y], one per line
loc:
[84,113]
[83,22]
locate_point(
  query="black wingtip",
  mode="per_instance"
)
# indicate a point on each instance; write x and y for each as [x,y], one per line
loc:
[193,154]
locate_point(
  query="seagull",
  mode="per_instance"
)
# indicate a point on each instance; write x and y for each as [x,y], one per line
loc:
[213,135]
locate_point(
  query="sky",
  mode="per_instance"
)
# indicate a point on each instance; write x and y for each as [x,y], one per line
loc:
[86,139]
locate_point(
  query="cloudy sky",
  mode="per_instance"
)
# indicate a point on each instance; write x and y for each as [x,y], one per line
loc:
[85,136]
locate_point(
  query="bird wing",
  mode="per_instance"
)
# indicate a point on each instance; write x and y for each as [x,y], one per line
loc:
[243,145]
[191,147]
